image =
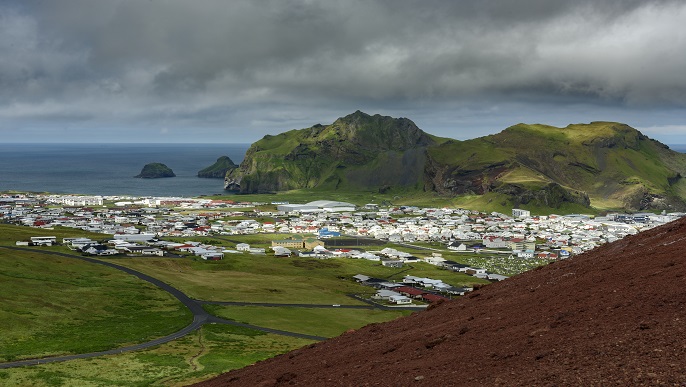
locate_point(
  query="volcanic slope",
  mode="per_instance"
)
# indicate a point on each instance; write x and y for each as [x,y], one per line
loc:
[612,316]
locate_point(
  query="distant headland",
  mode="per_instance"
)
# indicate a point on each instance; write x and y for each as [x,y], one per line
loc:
[219,169]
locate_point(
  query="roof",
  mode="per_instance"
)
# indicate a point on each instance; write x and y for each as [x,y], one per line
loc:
[410,290]
[387,293]
[329,204]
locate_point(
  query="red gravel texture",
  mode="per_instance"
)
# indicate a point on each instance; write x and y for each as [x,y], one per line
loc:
[614,316]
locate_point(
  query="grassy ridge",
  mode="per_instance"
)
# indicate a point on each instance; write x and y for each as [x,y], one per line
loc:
[607,164]
[613,163]
[347,154]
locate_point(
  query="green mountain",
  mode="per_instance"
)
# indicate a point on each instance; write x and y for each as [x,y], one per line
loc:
[219,169]
[358,151]
[608,164]
[603,164]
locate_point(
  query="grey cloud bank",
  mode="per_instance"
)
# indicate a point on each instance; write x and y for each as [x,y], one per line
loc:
[217,71]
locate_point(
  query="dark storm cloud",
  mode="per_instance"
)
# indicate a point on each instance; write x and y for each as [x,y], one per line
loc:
[201,63]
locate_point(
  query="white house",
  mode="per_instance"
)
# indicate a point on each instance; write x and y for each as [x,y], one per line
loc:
[384,294]
[280,251]
[78,243]
[135,237]
[525,254]
[435,260]
[519,213]
[212,256]
[43,240]
[399,299]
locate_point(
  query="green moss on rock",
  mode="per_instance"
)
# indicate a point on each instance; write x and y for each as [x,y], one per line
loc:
[155,170]
[219,169]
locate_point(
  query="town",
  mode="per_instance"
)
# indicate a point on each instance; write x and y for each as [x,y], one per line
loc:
[489,246]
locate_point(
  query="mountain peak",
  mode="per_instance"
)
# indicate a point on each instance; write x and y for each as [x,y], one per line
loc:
[353,152]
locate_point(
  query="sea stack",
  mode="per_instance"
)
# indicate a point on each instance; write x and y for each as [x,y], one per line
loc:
[218,169]
[155,170]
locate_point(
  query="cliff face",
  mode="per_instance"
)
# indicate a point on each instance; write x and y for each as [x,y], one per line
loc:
[356,151]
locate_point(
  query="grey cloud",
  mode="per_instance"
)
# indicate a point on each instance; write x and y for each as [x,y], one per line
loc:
[202,61]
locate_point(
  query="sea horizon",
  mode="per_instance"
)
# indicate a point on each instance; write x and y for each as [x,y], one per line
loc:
[109,168]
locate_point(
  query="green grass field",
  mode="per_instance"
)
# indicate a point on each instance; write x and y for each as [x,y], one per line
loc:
[212,350]
[318,322]
[252,278]
[55,305]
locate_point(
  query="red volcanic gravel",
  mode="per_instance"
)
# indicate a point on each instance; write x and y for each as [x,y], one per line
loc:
[614,316]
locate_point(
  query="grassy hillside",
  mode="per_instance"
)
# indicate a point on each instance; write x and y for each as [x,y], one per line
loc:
[606,165]
[53,305]
[614,164]
[219,169]
[356,152]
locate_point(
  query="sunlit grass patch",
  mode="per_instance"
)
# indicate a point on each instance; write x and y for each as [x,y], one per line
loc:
[326,322]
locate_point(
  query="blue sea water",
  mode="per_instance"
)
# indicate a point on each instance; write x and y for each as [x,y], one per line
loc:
[109,169]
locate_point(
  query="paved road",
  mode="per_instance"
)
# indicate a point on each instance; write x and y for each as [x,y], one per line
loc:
[370,305]
[200,316]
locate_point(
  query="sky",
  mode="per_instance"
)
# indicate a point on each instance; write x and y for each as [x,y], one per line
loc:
[216,71]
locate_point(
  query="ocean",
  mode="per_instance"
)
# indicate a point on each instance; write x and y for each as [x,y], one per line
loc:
[109,169]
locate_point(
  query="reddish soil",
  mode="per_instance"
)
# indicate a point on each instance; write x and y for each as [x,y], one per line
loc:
[615,316]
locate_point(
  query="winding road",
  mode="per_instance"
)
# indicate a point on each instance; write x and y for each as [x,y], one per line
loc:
[200,316]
